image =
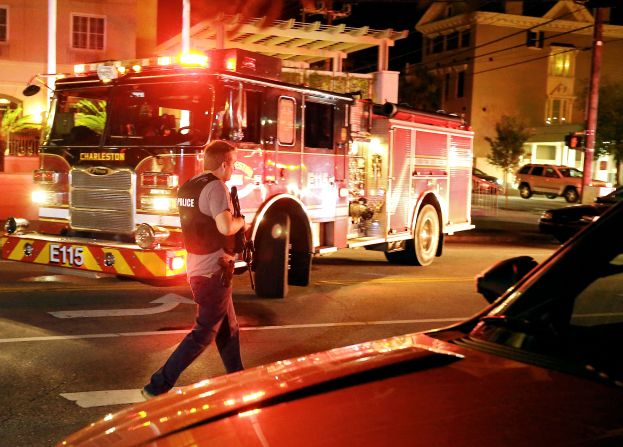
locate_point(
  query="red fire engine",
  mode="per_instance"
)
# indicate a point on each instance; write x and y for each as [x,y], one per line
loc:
[316,171]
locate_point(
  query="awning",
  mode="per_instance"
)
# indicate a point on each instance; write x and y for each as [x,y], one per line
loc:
[298,44]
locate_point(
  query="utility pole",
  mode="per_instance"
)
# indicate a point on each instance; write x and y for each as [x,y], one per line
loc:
[593,101]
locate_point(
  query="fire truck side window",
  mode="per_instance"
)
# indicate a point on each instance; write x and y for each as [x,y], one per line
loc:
[286,116]
[252,121]
[318,125]
[240,119]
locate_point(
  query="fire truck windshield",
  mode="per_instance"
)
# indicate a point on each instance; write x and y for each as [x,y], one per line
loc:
[159,114]
[79,117]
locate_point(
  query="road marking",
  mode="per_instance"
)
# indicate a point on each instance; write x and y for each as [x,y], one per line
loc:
[390,280]
[167,302]
[103,398]
[250,328]
[90,399]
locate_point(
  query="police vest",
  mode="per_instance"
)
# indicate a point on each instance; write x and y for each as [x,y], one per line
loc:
[201,236]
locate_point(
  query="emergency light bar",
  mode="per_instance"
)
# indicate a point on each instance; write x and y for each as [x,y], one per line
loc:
[228,60]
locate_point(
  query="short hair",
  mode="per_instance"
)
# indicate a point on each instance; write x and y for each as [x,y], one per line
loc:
[215,154]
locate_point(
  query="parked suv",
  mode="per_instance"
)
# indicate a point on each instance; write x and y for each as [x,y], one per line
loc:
[551,180]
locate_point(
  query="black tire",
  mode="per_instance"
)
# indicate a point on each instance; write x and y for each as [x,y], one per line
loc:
[403,257]
[422,249]
[426,237]
[571,195]
[524,191]
[271,257]
[300,268]
[551,196]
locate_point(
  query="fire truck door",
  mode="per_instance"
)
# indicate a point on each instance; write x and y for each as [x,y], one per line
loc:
[319,159]
[398,196]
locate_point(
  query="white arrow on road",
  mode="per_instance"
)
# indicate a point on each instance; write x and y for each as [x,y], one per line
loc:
[89,399]
[167,302]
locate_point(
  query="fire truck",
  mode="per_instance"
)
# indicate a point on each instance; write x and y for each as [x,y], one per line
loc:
[317,170]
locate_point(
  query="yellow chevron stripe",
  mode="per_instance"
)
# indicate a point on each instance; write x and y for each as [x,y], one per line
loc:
[152,262]
[120,266]
[18,252]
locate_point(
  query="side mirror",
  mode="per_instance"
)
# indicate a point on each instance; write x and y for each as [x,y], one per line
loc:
[31,90]
[492,283]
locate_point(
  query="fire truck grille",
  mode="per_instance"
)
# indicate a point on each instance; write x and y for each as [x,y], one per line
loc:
[102,200]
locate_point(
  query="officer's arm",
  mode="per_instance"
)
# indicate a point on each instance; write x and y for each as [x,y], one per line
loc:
[228,224]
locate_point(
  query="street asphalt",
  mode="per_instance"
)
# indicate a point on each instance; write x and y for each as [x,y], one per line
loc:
[512,220]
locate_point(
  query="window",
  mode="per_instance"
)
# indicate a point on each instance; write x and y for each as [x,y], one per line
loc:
[460,84]
[537,170]
[561,62]
[162,114]
[251,122]
[534,39]
[87,32]
[452,41]
[319,125]
[558,110]
[549,172]
[465,38]
[545,152]
[438,44]
[4,23]
[286,117]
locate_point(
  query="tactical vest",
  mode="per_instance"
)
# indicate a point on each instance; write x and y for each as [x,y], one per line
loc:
[201,236]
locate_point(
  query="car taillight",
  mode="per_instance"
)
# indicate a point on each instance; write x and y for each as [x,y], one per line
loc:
[159,180]
[45,177]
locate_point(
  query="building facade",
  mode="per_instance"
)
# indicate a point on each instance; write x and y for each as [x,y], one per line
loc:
[85,31]
[517,60]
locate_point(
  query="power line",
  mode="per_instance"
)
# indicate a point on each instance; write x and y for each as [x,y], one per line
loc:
[499,39]
[474,58]
[541,57]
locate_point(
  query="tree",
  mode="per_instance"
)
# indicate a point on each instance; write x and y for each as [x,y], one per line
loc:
[609,138]
[92,114]
[419,88]
[507,147]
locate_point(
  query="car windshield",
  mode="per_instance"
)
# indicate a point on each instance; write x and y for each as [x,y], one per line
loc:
[570,172]
[573,311]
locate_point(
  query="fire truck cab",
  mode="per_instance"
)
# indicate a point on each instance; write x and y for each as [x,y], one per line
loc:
[317,170]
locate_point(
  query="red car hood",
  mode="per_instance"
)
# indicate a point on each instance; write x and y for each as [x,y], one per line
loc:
[409,390]
[243,391]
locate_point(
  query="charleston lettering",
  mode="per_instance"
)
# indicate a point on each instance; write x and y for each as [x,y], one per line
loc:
[102,156]
[185,202]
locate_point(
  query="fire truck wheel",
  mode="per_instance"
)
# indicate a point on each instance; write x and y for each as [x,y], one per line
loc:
[426,235]
[271,257]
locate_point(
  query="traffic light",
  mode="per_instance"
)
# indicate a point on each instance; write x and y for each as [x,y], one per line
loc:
[574,140]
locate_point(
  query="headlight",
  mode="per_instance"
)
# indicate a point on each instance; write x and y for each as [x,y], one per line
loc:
[15,225]
[158,203]
[547,215]
[147,236]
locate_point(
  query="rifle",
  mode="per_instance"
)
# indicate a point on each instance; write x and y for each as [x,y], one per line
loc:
[242,245]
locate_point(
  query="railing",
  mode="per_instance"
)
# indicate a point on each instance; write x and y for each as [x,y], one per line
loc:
[21,146]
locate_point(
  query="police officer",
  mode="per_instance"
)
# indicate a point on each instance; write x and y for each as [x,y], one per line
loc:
[208,227]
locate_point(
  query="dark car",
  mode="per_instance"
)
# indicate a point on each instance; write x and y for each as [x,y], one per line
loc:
[564,222]
[542,365]
[483,183]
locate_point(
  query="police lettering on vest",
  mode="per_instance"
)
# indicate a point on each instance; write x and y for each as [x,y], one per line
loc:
[185,202]
[201,236]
